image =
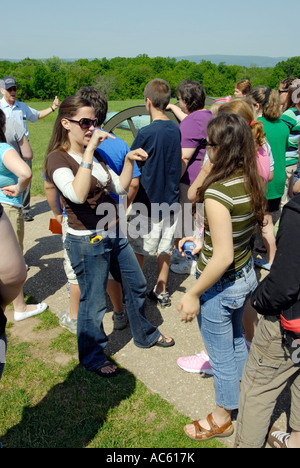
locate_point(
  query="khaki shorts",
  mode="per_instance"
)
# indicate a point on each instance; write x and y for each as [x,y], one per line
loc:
[270,366]
[15,216]
[67,264]
[158,238]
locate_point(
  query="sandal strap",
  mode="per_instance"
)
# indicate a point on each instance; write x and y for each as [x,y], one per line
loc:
[215,429]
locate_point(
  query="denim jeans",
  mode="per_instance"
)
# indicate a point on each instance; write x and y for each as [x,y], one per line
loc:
[220,322]
[92,263]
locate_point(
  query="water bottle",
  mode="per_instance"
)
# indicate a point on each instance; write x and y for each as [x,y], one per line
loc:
[188,248]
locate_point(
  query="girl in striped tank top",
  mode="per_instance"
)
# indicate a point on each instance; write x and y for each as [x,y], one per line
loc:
[234,205]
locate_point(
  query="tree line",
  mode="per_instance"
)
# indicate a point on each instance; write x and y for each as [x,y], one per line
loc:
[123,78]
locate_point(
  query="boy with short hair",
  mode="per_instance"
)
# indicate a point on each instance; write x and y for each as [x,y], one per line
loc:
[159,184]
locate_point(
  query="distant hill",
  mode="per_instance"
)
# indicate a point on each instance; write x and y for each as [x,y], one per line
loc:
[242,60]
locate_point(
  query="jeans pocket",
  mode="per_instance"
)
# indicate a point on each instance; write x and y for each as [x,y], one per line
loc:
[233,302]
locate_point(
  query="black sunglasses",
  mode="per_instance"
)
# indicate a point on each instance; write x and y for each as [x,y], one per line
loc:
[283,91]
[204,143]
[85,124]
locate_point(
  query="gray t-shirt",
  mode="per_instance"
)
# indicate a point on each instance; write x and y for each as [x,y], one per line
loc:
[14,133]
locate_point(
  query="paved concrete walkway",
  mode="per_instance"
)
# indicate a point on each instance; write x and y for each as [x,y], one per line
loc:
[190,394]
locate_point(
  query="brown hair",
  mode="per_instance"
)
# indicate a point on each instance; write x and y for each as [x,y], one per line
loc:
[269,101]
[97,99]
[235,153]
[193,95]
[159,92]
[244,86]
[245,108]
[60,136]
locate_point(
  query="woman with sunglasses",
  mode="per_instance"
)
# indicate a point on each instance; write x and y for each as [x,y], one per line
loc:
[93,241]
[234,202]
[289,92]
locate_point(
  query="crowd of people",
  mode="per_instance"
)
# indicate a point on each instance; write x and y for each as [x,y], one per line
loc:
[218,179]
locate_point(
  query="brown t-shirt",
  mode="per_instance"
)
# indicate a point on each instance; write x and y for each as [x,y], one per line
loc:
[82,216]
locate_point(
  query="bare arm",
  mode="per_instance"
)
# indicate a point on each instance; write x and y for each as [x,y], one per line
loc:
[49,110]
[198,182]
[25,148]
[177,111]
[133,189]
[53,200]
[15,164]
[186,156]
[220,226]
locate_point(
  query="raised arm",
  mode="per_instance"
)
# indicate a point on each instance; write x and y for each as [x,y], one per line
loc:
[15,164]
[49,110]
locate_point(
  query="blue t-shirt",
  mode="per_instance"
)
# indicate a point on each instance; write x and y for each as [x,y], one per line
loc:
[7,178]
[160,174]
[113,152]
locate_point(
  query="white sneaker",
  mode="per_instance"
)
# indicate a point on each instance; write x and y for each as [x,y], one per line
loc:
[188,267]
[18,316]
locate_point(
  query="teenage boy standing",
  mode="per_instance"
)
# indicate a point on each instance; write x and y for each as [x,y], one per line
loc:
[159,184]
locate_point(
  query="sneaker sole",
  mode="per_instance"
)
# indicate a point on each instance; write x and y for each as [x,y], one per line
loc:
[196,371]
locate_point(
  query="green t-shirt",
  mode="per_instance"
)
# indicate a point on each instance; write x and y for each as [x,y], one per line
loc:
[232,194]
[291,117]
[277,134]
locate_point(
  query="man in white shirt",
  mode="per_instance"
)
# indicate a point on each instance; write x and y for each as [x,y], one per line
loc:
[20,112]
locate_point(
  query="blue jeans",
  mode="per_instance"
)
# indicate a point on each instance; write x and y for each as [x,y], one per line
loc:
[220,322]
[92,263]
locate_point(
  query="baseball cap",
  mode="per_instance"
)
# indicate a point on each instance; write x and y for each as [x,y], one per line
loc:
[7,82]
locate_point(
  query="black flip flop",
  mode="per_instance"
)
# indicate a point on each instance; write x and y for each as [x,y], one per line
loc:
[110,364]
[163,343]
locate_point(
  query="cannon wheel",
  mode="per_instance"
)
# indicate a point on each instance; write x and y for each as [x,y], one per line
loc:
[127,115]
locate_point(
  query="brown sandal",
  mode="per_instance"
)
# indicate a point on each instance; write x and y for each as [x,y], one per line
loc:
[214,431]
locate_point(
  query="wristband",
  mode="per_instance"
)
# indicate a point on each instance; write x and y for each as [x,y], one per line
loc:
[86,165]
[53,110]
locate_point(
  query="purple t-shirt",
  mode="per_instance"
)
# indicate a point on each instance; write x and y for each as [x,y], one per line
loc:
[193,129]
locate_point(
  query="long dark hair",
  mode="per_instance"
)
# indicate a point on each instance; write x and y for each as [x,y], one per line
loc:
[235,154]
[2,125]
[60,137]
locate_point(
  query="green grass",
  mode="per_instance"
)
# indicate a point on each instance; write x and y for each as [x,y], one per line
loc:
[46,405]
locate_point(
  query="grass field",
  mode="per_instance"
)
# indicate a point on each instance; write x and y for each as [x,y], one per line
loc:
[44,404]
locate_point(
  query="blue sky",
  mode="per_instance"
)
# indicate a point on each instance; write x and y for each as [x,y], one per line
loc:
[168,28]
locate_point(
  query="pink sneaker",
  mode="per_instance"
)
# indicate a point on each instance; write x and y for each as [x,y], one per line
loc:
[196,364]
